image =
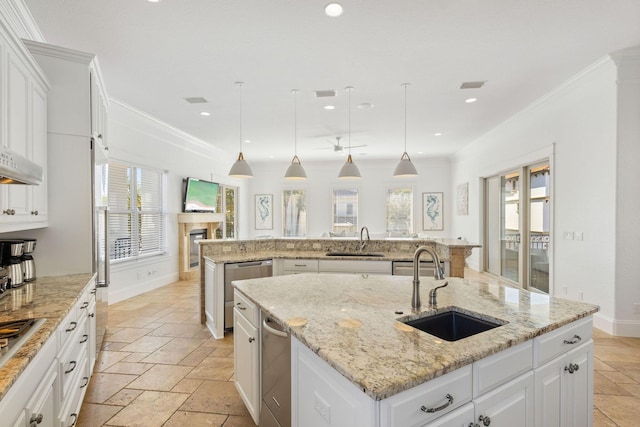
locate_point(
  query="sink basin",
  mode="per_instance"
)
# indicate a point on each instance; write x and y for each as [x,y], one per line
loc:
[452,325]
[364,254]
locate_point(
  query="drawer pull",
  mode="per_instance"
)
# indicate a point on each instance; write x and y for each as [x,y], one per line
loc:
[75,418]
[576,339]
[299,265]
[573,367]
[439,408]
[92,314]
[73,366]
[86,382]
[84,305]
[484,420]
[240,307]
[84,339]
[72,327]
[251,339]
[35,419]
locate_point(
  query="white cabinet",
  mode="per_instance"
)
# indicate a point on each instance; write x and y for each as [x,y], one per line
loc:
[23,121]
[508,405]
[354,266]
[297,266]
[246,353]
[214,298]
[41,409]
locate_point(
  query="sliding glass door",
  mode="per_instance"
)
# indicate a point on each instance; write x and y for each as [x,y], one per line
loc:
[517,226]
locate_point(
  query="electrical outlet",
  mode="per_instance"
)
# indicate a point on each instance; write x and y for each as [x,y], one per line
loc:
[565,290]
[579,235]
[567,235]
[290,246]
[226,249]
[405,247]
[317,246]
[636,308]
[580,295]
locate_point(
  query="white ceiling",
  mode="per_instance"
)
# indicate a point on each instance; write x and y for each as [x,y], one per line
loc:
[153,55]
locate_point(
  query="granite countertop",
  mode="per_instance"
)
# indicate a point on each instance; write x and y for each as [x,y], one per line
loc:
[262,255]
[350,321]
[49,298]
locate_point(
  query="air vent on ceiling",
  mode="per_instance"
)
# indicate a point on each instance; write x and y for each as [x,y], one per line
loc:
[196,100]
[325,93]
[472,85]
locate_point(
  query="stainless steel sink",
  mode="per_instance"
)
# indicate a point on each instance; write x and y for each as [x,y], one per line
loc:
[361,254]
[452,325]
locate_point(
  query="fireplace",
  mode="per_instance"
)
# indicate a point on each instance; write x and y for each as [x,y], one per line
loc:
[194,236]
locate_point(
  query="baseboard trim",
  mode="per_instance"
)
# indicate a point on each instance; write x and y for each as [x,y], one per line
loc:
[617,328]
[129,290]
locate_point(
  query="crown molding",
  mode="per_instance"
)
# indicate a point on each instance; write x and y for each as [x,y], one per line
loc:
[18,17]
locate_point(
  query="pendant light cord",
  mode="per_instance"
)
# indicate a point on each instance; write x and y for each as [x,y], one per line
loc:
[349,88]
[295,122]
[240,85]
[405,116]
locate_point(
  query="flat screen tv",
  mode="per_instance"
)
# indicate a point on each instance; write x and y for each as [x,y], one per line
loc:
[200,196]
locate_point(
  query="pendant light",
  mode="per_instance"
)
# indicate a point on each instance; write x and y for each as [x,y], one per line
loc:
[405,168]
[240,168]
[295,171]
[349,169]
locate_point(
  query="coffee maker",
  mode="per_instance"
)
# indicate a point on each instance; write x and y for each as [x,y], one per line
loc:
[28,264]
[11,252]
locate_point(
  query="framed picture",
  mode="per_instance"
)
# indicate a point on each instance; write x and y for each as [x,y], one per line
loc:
[462,202]
[264,211]
[432,211]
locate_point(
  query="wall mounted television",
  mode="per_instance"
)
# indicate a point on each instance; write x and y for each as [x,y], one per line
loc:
[200,196]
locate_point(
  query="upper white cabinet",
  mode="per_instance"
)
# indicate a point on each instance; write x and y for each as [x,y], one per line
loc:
[23,129]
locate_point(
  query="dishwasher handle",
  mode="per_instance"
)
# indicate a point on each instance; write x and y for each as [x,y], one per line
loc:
[247,264]
[265,325]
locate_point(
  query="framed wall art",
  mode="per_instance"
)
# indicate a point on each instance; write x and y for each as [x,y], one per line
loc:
[462,201]
[264,211]
[432,212]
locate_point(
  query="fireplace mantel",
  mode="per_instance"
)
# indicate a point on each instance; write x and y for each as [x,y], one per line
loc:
[186,223]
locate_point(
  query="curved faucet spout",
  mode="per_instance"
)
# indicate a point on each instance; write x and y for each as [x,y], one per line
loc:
[363,243]
[438,273]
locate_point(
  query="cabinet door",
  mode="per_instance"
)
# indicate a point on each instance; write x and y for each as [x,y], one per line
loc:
[39,150]
[549,380]
[578,397]
[461,417]
[246,355]
[209,268]
[41,409]
[509,405]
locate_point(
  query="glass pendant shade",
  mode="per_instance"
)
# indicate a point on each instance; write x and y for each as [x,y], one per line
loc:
[240,168]
[349,170]
[405,168]
[295,170]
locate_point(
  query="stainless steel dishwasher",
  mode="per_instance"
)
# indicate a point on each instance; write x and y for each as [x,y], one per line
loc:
[275,407]
[241,271]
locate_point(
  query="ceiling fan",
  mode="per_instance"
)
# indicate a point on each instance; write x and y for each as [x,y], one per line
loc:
[339,148]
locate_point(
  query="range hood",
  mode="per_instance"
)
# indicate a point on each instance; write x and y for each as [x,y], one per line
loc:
[16,169]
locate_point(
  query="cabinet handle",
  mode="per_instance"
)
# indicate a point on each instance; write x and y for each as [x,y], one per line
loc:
[484,420]
[92,314]
[73,366]
[75,418]
[93,291]
[84,339]
[573,367]
[240,307]
[84,305]
[299,265]
[86,382]
[35,419]
[72,327]
[576,339]
[251,339]
[439,408]
[34,212]
[9,211]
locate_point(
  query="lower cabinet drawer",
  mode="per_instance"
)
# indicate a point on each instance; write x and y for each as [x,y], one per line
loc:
[497,369]
[71,404]
[247,308]
[426,402]
[553,344]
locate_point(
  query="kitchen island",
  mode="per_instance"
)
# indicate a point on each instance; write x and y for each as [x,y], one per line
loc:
[348,331]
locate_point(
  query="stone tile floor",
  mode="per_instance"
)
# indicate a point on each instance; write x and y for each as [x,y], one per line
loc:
[160,367]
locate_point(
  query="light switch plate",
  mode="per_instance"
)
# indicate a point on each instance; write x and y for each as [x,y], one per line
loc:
[567,235]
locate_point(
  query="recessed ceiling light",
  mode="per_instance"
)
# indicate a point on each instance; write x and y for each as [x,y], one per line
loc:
[365,106]
[329,107]
[205,113]
[153,1]
[247,141]
[333,10]
[271,157]
[470,100]
[437,134]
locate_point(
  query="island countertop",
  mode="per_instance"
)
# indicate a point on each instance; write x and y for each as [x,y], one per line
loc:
[351,322]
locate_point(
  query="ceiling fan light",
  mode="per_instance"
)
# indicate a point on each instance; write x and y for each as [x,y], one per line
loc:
[349,170]
[405,167]
[241,168]
[295,171]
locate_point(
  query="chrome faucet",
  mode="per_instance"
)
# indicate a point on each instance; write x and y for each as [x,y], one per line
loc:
[438,274]
[362,242]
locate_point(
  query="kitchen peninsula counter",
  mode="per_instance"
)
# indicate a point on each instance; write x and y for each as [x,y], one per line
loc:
[351,322]
[49,298]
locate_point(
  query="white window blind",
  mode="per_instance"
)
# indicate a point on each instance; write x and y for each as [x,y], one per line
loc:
[136,211]
[399,211]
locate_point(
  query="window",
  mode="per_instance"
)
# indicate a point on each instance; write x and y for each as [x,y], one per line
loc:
[136,211]
[400,211]
[228,196]
[294,213]
[345,211]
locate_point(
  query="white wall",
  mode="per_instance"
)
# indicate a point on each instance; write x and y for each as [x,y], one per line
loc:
[577,122]
[137,138]
[433,176]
